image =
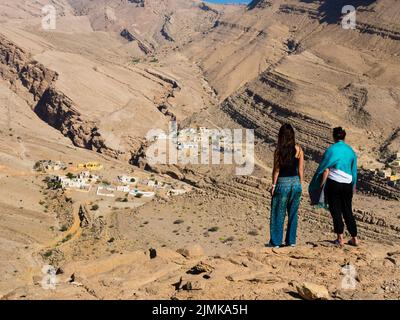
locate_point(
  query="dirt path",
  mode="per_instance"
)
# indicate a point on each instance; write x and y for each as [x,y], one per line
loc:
[72,234]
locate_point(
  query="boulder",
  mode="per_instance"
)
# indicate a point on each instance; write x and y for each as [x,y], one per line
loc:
[153,253]
[191,251]
[169,255]
[199,268]
[189,284]
[193,285]
[246,275]
[312,291]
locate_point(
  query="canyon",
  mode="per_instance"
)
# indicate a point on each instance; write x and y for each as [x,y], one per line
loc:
[111,71]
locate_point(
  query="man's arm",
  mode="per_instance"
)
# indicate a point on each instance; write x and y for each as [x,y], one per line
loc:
[354,171]
[325,163]
[324,177]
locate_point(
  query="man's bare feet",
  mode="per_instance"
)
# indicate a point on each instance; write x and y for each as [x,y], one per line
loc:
[340,239]
[353,242]
[338,243]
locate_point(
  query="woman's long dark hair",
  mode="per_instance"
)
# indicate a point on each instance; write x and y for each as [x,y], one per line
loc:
[286,149]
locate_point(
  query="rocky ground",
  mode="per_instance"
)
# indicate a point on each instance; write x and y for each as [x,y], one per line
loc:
[316,270]
[92,88]
[202,245]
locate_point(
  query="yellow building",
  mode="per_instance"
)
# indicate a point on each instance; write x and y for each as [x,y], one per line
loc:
[394,178]
[91,166]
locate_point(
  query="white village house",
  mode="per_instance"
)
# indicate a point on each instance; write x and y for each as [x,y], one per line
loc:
[49,165]
[176,192]
[82,181]
[146,194]
[106,191]
[124,189]
[127,179]
[74,183]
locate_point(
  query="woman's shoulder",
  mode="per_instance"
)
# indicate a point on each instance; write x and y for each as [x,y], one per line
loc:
[299,150]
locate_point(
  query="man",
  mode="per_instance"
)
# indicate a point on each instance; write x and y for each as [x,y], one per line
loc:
[337,173]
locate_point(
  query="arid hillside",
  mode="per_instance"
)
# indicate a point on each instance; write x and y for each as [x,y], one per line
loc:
[295,56]
[87,92]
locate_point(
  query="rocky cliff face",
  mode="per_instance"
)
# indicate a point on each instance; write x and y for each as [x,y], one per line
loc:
[266,103]
[31,78]
[58,110]
[300,76]
[15,66]
[259,4]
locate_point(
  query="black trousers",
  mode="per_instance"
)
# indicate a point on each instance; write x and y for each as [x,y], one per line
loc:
[340,197]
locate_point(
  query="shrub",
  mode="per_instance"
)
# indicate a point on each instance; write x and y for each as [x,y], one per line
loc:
[70,175]
[53,184]
[48,253]
[37,166]
[68,237]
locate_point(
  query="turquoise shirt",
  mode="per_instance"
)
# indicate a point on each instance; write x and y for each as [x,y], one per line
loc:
[339,156]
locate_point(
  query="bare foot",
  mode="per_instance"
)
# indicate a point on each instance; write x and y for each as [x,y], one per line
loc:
[339,243]
[353,242]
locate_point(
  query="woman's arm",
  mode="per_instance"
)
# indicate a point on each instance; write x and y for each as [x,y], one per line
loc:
[275,174]
[301,165]
[324,177]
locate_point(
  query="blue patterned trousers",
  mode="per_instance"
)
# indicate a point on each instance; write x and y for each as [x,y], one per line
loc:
[286,198]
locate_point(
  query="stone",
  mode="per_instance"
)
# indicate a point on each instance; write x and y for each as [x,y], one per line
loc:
[189,284]
[312,291]
[193,285]
[170,255]
[192,251]
[199,268]
[246,275]
[153,253]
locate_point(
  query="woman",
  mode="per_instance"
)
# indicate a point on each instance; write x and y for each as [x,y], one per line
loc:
[287,177]
[337,173]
